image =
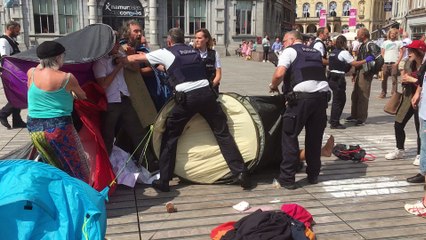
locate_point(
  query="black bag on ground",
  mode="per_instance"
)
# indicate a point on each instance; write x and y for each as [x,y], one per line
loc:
[354,152]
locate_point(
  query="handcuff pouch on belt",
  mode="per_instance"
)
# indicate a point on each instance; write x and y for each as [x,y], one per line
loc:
[179,97]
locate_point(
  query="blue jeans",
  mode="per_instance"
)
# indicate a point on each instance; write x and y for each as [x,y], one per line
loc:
[423,147]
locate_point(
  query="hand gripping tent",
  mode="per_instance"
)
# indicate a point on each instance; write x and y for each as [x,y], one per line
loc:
[253,121]
[39,201]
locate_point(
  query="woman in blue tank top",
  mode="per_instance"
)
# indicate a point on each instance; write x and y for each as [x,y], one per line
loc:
[50,102]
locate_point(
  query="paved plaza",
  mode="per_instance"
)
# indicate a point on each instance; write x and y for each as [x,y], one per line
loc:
[351,201]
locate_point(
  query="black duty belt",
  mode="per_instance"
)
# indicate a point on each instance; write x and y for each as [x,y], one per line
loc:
[389,62]
[304,95]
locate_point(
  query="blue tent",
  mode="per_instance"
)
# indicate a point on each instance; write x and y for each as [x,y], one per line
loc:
[38,201]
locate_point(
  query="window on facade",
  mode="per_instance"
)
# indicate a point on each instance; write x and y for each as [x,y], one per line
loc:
[318,8]
[333,7]
[176,14]
[197,15]
[43,16]
[243,14]
[68,16]
[346,8]
[306,10]
[295,11]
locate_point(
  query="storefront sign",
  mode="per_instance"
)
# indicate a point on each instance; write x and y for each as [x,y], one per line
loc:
[352,17]
[388,6]
[123,8]
[323,18]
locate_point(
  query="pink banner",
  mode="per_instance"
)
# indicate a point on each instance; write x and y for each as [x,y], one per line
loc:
[352,17]
[323,18]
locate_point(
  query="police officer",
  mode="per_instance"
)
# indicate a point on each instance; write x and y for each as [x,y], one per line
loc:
[340,62]
[204,43]
[318,44]
[192,95]
[306,89]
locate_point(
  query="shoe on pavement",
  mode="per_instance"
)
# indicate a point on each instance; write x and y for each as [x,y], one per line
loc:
[5,123]
[417,209]
[337,126]
[395,154]
[313,179]
[289,186]
[417,161]
[416,179]
[350,119]
[359,123]
[243,180]
[158,185]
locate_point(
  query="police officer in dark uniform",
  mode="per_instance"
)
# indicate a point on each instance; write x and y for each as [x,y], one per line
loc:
[192,95]
[204,43]
[340,62]
[307,93]
[318,44]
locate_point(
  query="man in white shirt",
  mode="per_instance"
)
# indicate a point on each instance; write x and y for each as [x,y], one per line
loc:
[306,89]
[8,47]
[392,54]
[120,114]
[322,35]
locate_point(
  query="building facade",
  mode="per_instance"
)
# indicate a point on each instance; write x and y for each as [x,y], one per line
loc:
[369,14]
[411,16]
[229,21]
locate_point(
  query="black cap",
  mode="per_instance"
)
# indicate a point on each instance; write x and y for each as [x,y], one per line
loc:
[49,49]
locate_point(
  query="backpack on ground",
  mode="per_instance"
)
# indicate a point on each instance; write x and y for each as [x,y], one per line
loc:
[354,153]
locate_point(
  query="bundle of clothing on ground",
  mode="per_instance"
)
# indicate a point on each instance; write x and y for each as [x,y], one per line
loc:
[292,222]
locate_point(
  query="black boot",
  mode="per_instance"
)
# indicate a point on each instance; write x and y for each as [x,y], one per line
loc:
[5,123]
[158,185]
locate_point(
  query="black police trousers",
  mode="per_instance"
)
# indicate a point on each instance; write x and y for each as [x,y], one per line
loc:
[308,113]
[337,83]
[8,110]
[202,101]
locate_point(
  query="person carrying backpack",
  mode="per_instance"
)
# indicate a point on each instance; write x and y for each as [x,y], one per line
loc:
[362,78]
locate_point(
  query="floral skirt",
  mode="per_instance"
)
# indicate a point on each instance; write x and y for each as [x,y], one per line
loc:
[58,143]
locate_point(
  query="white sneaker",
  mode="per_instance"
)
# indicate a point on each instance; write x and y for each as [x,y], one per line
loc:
[417,161]
[417,209]
[263,61]
[395,154]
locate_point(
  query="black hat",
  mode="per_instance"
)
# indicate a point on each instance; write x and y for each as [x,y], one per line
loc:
[49,49]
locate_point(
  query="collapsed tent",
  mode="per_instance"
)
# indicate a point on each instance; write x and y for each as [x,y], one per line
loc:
[38,201]
[254,123]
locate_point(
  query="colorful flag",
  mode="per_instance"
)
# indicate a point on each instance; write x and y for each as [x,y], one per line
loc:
[352,17]
[323,18]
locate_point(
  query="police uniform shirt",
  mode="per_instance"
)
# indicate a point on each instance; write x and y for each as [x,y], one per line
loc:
[319,45]
[166,58]
[118,87]
[217,63]
[286,58]
[344,56]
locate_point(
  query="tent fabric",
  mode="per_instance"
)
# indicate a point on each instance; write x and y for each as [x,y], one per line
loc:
[97,41]
[39,201]
[198,157]
[91,137]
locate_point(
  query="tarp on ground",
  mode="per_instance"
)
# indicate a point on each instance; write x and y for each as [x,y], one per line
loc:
[39,201]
